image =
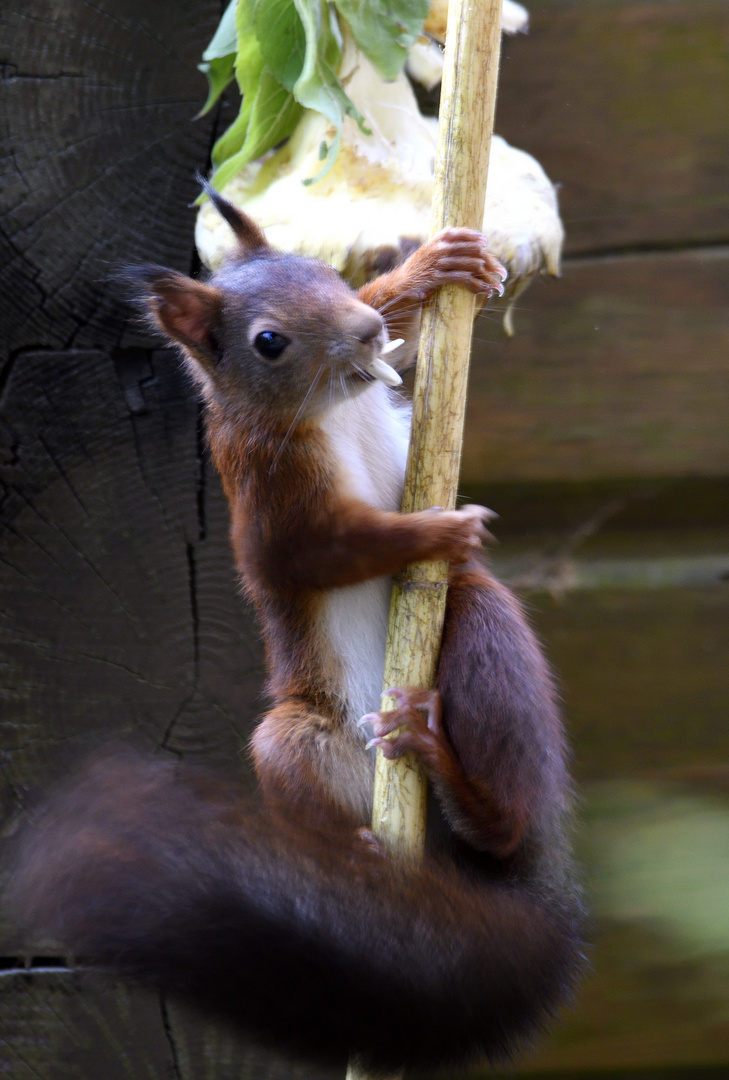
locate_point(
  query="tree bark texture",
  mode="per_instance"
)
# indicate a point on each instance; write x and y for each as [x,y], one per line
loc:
[119,612]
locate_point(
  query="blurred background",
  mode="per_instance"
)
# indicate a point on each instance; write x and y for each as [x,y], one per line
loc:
[599,434]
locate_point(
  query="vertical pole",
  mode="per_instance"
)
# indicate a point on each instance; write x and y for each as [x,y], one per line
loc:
[468,100]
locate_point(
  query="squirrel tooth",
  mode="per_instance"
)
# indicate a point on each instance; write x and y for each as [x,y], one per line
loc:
[392,345]
[382,371]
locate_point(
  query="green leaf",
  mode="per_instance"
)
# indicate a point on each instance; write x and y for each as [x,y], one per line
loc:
[249,68]
[312,88]
[318,87]
[249,60]
[268,113]
[385,29]
[327,154]
[335,89]
[287,52]
[224,39]
[219,57]
[234,136]
[220,74]
[282,39]
[273,116]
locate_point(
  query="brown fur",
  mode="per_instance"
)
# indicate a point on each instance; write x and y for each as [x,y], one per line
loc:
[292,924]
[307,940]
[295,532]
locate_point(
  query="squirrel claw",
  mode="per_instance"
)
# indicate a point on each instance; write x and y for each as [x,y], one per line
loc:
[397,692]
[414,725]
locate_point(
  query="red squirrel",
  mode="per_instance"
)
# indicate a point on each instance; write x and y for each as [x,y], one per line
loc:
[286,920]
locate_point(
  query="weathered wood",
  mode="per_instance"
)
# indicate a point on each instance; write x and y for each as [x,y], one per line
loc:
[204,1051]
[554,511]
[623,103]
[644,675]
[617,370]
[646,684]
[417,608]
[119,612]
[98,156]
[58,1023]
[658,996]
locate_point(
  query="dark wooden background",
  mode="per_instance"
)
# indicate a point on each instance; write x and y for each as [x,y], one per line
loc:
[599,433]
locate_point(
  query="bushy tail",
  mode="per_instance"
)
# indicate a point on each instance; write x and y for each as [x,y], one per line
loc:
[317,948]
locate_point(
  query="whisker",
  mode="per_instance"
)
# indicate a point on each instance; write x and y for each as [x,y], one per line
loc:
[390,303]
[405,308]
[294,422]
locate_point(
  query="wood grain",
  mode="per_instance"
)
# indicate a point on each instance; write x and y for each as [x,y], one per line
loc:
[98,157]
[617,370]
[58,1023]
[644,675]
[417,608]
[119,612]
[622,102]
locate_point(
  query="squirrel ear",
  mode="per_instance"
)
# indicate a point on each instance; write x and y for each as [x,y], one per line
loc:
[186,310]
[249,235]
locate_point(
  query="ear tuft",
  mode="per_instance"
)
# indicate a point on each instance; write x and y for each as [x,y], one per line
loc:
[186,310]
[249,235]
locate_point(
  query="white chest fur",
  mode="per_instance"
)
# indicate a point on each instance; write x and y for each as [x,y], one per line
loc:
[368,436]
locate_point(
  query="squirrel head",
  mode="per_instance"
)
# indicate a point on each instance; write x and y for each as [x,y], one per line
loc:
[270,333]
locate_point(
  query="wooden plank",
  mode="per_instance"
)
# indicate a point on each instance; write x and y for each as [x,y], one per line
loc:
[98,156]
[623,104]
[645,679]
[657,995]
[644,676]
[229,672]
[60,1024]
[85,1026]
[654,854]
[119,611]
[553,513]
[204,1051]
[618,370]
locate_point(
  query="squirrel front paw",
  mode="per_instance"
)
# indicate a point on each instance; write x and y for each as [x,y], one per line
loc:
[462,532]
[458,256]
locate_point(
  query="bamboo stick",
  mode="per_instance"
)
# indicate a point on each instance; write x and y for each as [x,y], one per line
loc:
[417,609]
[468,100]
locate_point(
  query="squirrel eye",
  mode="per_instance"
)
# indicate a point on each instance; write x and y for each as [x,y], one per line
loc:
[270,344]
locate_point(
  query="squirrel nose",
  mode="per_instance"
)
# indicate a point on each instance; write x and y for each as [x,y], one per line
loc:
[370,327]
